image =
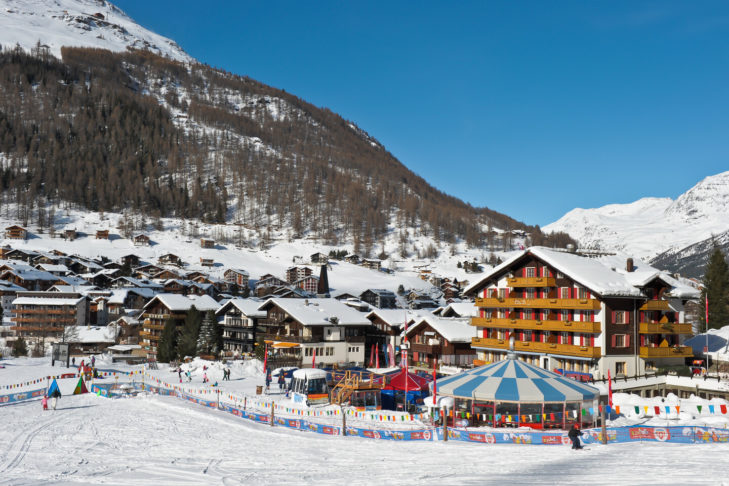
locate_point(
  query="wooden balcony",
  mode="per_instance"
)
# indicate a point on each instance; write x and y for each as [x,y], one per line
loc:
[518,303]
[149,336]
[536,325]
[45,320]
[547,348]
[150,325]
[531,282]
[666,352]
[426,348]
[666,328]
[36,329]
[36,310]
[655,305]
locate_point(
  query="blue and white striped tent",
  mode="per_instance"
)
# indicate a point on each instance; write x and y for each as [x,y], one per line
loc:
[511,380]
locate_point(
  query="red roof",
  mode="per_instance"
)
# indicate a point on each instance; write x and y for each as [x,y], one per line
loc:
[414,382]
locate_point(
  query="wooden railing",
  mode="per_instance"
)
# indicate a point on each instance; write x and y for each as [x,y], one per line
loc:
[535,324]
[666,352]
[547,348]
[496,302]
[531,282]
[655,305]
[665,328]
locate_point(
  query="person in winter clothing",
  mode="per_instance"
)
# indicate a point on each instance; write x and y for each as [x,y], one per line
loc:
[93,361]
[205,377]
[54,398]
[268,379]
[45,402]
[574,435]
[281,381]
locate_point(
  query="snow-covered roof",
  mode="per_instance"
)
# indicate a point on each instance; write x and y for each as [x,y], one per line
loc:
[396,317]
[643,274]
[248,307]
[79,289]
[73,280]
[461,309]
[91,334]
[588,272]
[176,302]
[53,268]
[47,300]
[455,329]
[319,312]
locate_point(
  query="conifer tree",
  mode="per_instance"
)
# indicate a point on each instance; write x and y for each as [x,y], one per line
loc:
[167,348]
[716,290]
[208,339]
[20,348]
[187,342]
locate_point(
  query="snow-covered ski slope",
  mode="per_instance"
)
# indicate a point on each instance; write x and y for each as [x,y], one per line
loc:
[166,441]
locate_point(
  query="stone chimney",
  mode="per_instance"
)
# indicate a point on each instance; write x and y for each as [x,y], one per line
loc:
[629,265]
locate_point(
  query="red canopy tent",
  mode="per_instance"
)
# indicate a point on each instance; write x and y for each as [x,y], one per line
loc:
[414,382]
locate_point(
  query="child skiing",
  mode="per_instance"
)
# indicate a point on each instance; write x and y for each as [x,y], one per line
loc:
[574,435]
[45,402]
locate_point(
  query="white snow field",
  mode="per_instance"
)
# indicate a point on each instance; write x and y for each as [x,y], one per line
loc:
[163,440]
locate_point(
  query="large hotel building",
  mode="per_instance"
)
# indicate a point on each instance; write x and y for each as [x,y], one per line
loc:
[581,315]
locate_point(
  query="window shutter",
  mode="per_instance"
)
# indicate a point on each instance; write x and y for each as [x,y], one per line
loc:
[613,339]
[613,315]
[627,340]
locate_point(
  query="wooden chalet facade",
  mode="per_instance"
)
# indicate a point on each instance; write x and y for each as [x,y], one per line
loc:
[236,277]
[239,321]
[16,232]
[46,315]
[445,341]
[170,259]
[205,243]
[308,284]
[102,234]
[579,314]
[380,298]
[141,240]
[294,274]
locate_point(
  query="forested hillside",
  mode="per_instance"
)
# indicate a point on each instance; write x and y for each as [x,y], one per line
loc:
[134,131]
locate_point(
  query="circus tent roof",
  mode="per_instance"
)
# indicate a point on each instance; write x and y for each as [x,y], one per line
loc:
[511,380]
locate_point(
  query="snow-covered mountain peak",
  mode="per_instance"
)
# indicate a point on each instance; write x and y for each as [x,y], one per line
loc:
[708,198]
[82,23]
[650,226]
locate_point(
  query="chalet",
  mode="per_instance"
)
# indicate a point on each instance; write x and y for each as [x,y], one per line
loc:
[345,296]
[170,259]
[580,314]
[165,275]
[204,243]
[176,286]
[308,284]
[80,265]
[29,278]
[215,282]
[236,276]
[88,340]
[72,280]
[207,262]
[388,325]
[352,258]
[164,307]
[269,281]
[21,255]
[301,327]
[4,252]
[69,234]
[16,233]
[127,301]
[122,282]
[371,264]
[129,328]
[239,319]
[130,260]
[103,278]
[457,309]
[60,270]
[141,240]
[46,315]
[48,259]
[294,274]
[194,274]
[380,298]
[146,271]
[102,234]
[447,340]
[423,303]
[319,259]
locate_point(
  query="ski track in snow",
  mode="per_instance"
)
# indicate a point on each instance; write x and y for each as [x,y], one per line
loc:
[165,441]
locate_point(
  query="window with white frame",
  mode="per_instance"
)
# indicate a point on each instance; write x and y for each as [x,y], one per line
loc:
[530,293]
[564,293]
[545,272]
[583,293]
[531,272]
[621,317]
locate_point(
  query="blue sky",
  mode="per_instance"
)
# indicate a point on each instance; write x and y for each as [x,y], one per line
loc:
[529,108]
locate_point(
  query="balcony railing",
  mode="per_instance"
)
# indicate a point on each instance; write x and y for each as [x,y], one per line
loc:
[496,302]
[531,282]
[41,310]
[547,348]
[426,348]
[665,328]
[36,328]
[666,352]
[655,305]
[536,325]
[49,320]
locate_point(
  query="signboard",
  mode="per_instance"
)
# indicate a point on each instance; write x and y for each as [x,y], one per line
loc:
[60,352]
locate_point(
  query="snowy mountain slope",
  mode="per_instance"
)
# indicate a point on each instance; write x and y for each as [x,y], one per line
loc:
[81,23]
[651,226]
[691,260]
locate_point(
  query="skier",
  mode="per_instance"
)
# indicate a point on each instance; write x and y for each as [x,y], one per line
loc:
[45,402]
[55,396]
[574,434]
[73,361]
[189,376]
[205,377]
